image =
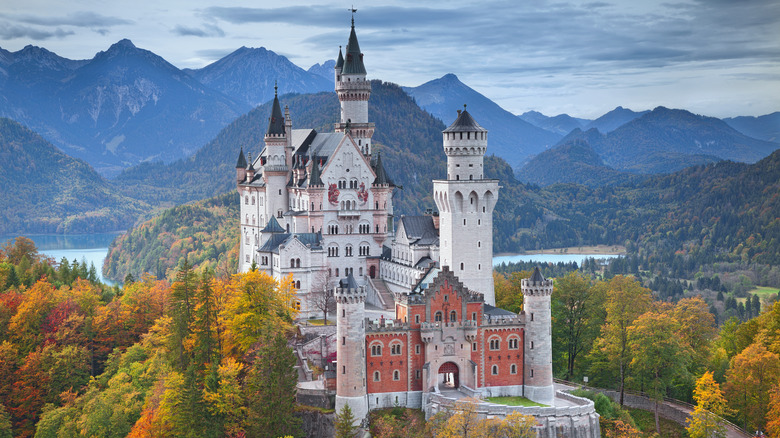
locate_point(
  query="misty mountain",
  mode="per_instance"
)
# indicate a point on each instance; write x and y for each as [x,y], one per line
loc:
[248,75]
[325,70]
[561,124]
[666,140]
[46,191]
[510,137]
[614,119]
[124,106]
[766,127]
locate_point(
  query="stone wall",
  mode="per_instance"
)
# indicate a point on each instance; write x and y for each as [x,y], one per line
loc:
[317,424]
[678,414]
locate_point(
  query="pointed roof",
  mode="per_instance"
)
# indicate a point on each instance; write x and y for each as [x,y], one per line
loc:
[314,178]
[273,227]
[381,173]
[353,64]
[276,122]
[241,164]
[349,282]
[251,163]
[465,123]
[340,61]
[537,276]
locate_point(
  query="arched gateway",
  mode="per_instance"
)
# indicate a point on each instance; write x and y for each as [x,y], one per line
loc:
[448,375]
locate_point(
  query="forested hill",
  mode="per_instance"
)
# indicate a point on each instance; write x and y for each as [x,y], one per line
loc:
[408,138]
[46,191]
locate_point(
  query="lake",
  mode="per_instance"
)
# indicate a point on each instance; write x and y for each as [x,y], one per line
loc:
[90,247]
[552,258]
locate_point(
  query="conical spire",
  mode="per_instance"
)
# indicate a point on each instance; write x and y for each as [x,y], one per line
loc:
[353,64]
[465,123]
[273,226]
[315,179]
[276,122]
[340,60]
[251,166]
[537,276]
[381,173]
[241,164]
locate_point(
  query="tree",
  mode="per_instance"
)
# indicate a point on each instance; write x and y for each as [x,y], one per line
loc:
[753,373]
[697,329]
[509,294]
[321,296]
[182,305]
[345,423]
[19,248]
[705,421]
[6,431]
[773,416]
[577,314]
[626,299]
[659,356]
[270,388]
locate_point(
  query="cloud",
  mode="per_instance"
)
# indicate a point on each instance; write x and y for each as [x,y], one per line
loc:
[12,31]
[77,19]
[206,30]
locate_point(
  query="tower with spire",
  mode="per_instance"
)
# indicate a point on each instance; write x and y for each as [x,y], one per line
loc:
[465,201]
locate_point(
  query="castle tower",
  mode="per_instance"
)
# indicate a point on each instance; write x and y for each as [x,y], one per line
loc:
[277,165]
[354,90]
[465,201]
[538,377]
[351,348]
[241,167]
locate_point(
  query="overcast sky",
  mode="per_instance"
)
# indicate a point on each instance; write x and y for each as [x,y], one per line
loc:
[713,57]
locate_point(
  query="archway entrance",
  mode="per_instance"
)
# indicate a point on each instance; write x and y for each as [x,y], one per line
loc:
[372,272]
[448,376]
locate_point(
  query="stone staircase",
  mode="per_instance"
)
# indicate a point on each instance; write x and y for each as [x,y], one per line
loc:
[385,297]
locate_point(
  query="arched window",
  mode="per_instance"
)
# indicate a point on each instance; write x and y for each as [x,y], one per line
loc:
[395,348]
[376,349]
[495,343]
[253,200]
[376,376]
[437,317]
[297,263]
[453,316]
[246,200]
[298,284]
[494,370]
[292,263]
[513,342]
[513,369]
[396,375]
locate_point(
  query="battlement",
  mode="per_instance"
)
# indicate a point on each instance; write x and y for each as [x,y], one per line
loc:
[385,325]
[488,321]
[350,295]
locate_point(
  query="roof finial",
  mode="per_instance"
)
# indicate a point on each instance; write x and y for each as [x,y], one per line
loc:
[464,107]
[276,88]
[353,15]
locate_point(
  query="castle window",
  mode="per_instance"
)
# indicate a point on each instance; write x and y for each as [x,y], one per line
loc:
[471,177]
[494,370]
[297,263]
[343,340]
[473,346]
[246,200]
[348,251]
[395,349]
[343,369]
[473,316]
[416,319]
[417,374]
[376,349]
[292,263]
[437,317]
[513,369]
[532,316]
[446,298]
[479,266]
[513,343]
[337,272]
[483,209]
[532,345]
[253,200]
[479,244]
[495,343]
[453,316]
[376,376]
[298,286]
[417,349]
[461,266]
[396,375]
[464,222]
[532,373]
[343,312]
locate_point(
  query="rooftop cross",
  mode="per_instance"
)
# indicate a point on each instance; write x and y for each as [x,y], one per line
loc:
[353,10]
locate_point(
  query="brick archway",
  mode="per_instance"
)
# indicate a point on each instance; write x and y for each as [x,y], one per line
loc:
[451,374]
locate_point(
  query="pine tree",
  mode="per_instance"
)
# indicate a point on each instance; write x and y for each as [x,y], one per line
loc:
[182,304]
[345,423]
[270,389]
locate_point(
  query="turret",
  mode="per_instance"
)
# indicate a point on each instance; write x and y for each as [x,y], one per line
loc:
[241,167]
[465,201]
[538,379]
[339,65]
[351,348]
[276,169]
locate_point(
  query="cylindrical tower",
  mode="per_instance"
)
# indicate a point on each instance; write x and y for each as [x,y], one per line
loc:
[465,201]
[538,379]
[351,348]
[354,91]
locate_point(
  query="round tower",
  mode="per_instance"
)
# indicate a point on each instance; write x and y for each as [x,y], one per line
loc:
[465,201]
[351,348]
[276,169]
[538,379]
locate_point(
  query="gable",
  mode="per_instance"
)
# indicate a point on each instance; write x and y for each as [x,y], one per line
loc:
[346,163]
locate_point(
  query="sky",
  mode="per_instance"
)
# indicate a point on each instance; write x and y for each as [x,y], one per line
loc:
[718,58]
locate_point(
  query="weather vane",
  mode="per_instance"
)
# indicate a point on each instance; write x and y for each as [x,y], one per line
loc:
[353,10]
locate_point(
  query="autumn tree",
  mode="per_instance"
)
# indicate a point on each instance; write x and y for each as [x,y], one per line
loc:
[751,377]
[625,300]
[659,355]
[20,248]
[577,313]
[773,416]
[6,430]
[182,306]
[705,421]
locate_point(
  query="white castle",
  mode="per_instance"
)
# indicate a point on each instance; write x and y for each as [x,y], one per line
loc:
[319,207]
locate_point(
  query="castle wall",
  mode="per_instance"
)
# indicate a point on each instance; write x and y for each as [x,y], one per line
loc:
[381,368]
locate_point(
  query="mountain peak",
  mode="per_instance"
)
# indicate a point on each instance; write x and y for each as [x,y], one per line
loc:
[450,77]
[124,42]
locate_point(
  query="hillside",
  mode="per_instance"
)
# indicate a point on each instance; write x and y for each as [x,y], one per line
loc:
[124,106]
[766,127]
[614,119]
[510,137]
[46,191]
[561,124]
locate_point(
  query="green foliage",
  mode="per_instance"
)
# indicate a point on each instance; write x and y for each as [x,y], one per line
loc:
[345,423]
[6,431]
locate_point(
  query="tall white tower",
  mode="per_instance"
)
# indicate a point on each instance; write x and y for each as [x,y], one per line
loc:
[277,166]
[354,91]
[538,379]
[465,201]
[351,348]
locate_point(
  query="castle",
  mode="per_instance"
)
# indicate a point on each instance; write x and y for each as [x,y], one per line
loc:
[318,206]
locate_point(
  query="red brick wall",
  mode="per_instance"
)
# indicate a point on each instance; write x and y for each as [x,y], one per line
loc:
[452,302]
[416,361]
[504,357]
[386,363]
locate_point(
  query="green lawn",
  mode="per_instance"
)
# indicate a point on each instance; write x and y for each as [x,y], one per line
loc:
[513,401]
[763,291]
[645,420]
